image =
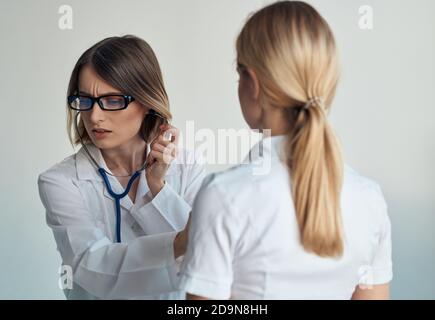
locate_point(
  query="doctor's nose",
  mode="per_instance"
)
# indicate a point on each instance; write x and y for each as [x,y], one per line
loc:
[96,114]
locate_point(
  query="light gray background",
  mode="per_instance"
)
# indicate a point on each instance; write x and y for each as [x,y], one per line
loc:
[384,111]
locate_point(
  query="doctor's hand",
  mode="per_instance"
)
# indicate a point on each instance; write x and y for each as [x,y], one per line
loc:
[180,242]
[163,152]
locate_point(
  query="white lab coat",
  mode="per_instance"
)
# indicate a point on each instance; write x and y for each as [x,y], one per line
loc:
[81,214]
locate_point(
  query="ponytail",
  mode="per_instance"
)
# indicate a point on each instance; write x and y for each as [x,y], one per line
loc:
[315,167]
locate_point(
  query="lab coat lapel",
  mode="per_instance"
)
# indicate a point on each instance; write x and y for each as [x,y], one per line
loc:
[141,191]
[143,188]
[86,171]
[85,167]
[117,188]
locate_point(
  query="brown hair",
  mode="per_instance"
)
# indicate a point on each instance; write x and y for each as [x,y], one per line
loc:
[128,64]
[292,50]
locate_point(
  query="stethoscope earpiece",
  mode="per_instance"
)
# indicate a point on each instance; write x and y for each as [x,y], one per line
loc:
[166,135]
[153,112]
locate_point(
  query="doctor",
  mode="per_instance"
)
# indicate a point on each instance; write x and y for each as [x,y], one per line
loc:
[118,110]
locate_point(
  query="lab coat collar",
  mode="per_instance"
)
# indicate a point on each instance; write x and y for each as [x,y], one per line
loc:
[271,146]
[85,166]
[86,171]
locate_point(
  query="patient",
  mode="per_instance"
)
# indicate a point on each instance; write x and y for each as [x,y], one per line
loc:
[312,227]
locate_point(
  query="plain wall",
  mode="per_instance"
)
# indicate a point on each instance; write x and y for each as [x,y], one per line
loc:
[384,110]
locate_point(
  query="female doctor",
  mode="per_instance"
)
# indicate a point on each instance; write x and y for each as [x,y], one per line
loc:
[118,206]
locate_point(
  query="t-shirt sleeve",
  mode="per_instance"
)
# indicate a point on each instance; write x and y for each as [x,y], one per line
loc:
[207,267]
[382,265]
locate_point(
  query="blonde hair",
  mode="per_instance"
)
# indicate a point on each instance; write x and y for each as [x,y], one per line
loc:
[128,64]
[292,50]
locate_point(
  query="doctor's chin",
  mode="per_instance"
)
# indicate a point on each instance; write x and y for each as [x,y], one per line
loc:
[238,153]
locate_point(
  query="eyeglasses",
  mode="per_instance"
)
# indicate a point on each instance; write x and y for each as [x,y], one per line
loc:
[113,102]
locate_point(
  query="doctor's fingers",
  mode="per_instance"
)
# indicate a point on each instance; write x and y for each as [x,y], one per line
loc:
[170,129]
[161,140]
[163,157]
[168,147]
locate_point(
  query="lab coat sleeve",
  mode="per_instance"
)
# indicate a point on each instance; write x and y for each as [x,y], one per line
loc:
[106,270]
[168,210]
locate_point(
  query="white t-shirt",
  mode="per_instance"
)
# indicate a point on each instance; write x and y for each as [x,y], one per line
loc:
[244,238]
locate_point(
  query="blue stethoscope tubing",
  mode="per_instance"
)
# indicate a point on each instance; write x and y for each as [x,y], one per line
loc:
[117,196]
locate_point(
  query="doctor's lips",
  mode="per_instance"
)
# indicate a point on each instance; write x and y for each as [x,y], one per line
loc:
[100,133]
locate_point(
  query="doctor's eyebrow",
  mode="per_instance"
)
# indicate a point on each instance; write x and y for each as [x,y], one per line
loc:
[104,94]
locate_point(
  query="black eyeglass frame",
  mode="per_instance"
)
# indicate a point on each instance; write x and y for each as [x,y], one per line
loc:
[127,100]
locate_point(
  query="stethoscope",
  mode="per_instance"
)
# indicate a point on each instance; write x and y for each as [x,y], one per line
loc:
[116,196]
